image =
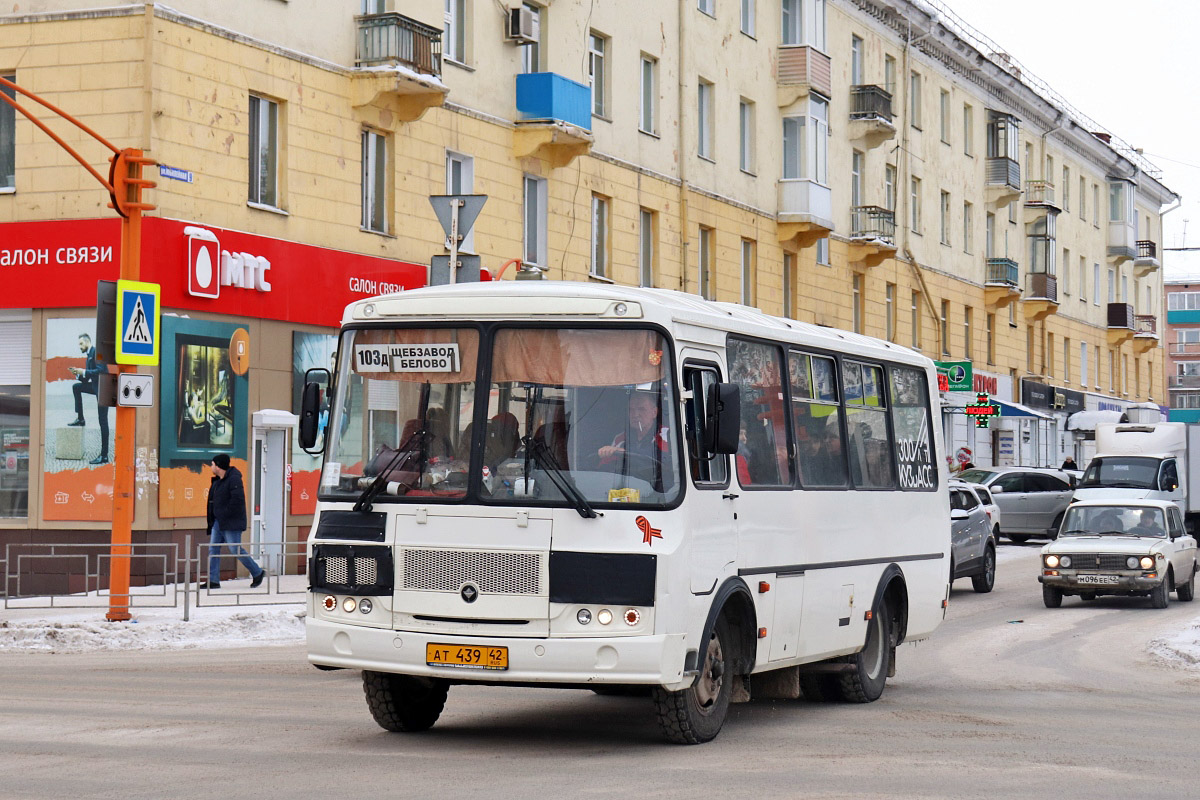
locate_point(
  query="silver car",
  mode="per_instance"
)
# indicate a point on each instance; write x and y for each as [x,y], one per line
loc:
[973,550]
[1031,500]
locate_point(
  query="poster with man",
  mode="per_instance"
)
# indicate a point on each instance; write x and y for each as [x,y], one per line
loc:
[78,470]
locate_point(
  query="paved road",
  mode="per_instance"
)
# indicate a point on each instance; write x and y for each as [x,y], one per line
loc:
[1009,699]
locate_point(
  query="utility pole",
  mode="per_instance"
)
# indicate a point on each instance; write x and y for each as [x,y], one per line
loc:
[124,184]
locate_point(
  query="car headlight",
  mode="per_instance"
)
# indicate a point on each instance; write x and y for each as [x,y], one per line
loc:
[1052,561]
[1147,562]
[1064,561]
[1132,562]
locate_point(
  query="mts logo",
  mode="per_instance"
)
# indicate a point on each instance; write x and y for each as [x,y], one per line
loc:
[210,267]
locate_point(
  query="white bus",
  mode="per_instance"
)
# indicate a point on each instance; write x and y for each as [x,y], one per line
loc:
[628,490]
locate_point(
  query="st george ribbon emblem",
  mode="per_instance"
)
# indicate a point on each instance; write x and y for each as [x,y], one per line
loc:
[649,534]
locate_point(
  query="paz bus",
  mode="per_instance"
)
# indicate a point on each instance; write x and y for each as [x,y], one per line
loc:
[618,489]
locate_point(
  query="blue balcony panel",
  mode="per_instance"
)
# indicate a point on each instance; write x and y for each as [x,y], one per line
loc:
[547,96]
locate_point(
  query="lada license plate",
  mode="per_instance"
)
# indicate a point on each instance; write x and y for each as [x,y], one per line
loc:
[1104,579]
[466,657]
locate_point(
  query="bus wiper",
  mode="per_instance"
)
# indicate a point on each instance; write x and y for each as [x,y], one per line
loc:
[378,484]
[541,454]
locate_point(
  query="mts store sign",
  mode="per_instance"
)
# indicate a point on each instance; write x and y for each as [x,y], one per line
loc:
[203,268]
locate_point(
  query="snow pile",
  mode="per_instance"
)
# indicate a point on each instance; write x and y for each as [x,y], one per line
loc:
[1180,649]
[84,630]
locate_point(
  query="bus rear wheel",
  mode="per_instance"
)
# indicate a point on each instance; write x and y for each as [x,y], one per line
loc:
[403,703]
[864,683]
[695,715]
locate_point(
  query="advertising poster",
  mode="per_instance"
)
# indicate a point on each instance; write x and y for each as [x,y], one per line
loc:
[309,351]
[205,409]
[79,435]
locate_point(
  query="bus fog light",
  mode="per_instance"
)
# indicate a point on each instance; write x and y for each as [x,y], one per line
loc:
[604,617]
[329,603]
[1147,562]
[583,616]
[349,605]
[365,605]
[632,616]
[1131,562]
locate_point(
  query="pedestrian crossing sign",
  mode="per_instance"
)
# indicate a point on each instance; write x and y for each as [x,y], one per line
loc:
[139,322]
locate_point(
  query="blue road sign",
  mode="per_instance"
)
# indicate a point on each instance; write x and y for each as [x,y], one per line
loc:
[139,322]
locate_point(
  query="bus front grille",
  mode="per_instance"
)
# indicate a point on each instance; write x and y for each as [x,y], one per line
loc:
[490,572]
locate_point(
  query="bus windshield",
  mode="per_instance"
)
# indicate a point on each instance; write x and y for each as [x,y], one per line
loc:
[563,416]
[1131,472]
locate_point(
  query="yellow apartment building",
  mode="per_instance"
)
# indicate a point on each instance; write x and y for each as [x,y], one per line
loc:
[873,165]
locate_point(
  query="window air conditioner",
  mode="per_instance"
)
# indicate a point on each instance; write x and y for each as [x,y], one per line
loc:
[522,25]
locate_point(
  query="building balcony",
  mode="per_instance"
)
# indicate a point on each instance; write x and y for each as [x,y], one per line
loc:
[1041,295]
[1183,381]
[1122,242]
[1185,349]
[1146,262]
[872,235]
[1001,285]
[555,118]
[801,69]
[1145,333]
[1003,181]
[871,115]
[805,212]
[1041,194]
[1120,323]
[398,66]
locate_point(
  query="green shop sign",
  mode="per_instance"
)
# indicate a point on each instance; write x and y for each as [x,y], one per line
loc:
[958,374]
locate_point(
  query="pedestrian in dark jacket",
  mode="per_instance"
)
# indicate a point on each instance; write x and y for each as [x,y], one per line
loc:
[227,522]
[1069,463]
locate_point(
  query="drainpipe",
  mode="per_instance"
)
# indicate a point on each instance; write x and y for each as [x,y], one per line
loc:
[684,225]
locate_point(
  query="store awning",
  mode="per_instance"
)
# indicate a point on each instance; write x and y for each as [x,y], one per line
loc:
[1010,409]
[1086,420]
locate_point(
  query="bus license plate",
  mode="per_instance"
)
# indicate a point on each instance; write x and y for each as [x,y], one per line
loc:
[1105,579]
[464,657]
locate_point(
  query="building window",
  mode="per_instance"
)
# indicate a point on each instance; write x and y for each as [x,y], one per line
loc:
[1066,189]
[823,251]
[805,144]
[1095,284]
[1043,250]
[1096,204]
[890,311]
[856,61]
[945,326]
[789,285]
[600,236]
[889,187]
[856,304]
[374,182]
[535,221]
[707,6]
[531,54]
[264,151]
[915,204]
[1048,355]
[1066,273]
[1112,371]
[1096,362]
[707,251]
[914,92]
[792,22]
[746,136]
[989,236]
[916,320]
[944,115]
[704,121]
[1066,359]
[1028,350]
[856,166]
[991,338]
[968,313]
[460,179]
[748,273]
[968,129]
[1083,355]
[968,227]
[648,222]
[748,17]
[1082,204]
[1112,287]
[598,73]
[16,337]
[647,119]
[944,216]
[454,32]
[8,144]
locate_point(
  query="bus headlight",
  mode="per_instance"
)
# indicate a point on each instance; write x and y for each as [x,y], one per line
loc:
[349,604]
[604,617]
[365,605]
[583,616]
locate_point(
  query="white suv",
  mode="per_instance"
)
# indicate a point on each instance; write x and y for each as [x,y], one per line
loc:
[1121,547]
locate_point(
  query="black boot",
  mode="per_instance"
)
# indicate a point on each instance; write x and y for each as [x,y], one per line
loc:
[100,459]
[78,423]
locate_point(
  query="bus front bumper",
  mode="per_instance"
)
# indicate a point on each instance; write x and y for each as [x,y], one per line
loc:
[649,660]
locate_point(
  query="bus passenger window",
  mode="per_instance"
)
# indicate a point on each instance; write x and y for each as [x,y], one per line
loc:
[816,421]
[757,369]
[866,426]
[910,421]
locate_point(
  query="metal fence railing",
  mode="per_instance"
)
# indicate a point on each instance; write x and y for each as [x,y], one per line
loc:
[163,575]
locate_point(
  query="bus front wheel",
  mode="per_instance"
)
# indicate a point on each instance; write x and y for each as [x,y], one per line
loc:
[695,715]
[864,682]
[403,703]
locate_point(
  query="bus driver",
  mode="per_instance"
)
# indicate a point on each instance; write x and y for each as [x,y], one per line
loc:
[640,449]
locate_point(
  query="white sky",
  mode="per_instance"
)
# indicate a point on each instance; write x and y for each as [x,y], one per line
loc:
[1132,67]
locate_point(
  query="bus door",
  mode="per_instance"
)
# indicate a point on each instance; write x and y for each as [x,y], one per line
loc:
[712,542]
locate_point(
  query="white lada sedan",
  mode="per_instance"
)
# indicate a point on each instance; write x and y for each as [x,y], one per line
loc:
[1125,547]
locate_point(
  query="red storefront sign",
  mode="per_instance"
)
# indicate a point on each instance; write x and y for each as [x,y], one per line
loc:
[55,264]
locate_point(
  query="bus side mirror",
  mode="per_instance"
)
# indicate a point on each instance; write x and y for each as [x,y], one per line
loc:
[722,418]
[310,412]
